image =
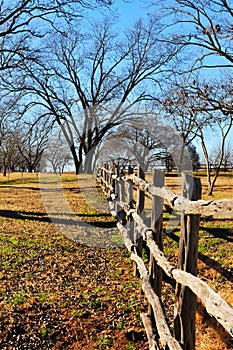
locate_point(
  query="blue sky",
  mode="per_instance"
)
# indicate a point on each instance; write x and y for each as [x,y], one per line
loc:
[130,11]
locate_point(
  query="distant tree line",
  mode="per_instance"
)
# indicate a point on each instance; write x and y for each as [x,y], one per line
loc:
[32,148]
[149,144]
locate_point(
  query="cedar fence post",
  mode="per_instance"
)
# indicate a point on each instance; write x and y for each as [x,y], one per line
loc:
[185,299]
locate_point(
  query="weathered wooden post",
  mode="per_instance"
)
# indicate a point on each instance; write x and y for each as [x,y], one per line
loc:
[140,202]
[157,226]
[113,180]
[121,190]
[121,195]
[140,194]
[107,174]
[110,179]
[130,189]
[105,177]
[130,203]
[185,299]
[117,186]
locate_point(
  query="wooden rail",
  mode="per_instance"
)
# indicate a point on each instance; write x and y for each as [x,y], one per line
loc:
[127,208]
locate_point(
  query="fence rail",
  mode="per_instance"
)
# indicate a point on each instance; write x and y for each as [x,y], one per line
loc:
[127,207]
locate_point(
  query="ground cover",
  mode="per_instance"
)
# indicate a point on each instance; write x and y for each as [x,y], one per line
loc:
[58,293]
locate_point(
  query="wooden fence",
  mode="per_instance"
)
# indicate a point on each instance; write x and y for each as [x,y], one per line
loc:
[128,208]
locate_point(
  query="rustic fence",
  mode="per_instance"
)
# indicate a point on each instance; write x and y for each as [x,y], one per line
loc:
[128,208]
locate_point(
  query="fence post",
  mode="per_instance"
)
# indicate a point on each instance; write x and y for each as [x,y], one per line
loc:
[110,180]
[113,182]
[122,194]
[108,175]
[130,203]
[130,189]
[138,240]
[105,177]
[155,271]
[140,194]
[117,186]
[185,299]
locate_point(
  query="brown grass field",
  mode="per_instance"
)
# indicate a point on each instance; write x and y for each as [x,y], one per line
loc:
[65,284]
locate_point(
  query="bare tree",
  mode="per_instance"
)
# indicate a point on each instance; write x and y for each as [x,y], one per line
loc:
[9,134]
[90,81]
[203,27]
[146,142]
[10,158]
[142,139]
[228,157]
[20,21]
[194,107]
[113,151]
[32,144]
[57,154]
[23,24]
[22,146]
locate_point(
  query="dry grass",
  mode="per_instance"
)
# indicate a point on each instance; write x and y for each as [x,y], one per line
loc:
[223,186]
[57,293]
[54,292]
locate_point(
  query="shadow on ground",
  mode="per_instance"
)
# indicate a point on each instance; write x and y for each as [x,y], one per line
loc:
[54,217]
[207,260]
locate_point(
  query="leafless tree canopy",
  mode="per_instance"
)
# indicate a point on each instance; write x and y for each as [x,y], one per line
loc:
[20,21]
[204,27]
[89,81]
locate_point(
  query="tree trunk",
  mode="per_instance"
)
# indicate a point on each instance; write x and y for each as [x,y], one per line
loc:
[211,185]
[77,162]
[54,168]
[181,165]
[30,168]
[208,169]
[89,161]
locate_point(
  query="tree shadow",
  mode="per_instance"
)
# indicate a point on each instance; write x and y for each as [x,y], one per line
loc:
[224,233]
[24,215]
[207,260]
[73,189]
[21,187]
[69,220]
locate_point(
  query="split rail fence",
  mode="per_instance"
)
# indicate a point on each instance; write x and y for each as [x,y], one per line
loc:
[126,195]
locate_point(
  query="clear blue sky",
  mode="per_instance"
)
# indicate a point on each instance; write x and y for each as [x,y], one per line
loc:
[130,11]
